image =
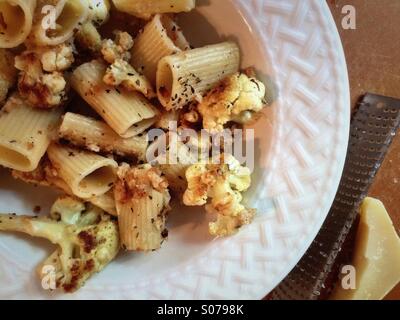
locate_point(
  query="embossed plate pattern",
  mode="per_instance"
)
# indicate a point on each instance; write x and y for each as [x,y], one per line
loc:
[300,150]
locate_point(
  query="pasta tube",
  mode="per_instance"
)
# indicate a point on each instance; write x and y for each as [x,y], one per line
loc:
[25,134]
[45,175]
[97,136]
[160,37]
[87,174]
[183,77]
[123,111]
[142,200]
[146,8]
[106,202]
[16,18]
[176,176]
[69,16]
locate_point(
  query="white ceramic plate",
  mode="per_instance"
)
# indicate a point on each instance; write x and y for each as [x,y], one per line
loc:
[300,153]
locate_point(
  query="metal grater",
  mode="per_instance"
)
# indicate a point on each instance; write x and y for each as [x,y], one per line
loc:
[373,128]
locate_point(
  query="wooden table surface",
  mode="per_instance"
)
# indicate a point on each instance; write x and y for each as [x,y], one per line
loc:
[372,55]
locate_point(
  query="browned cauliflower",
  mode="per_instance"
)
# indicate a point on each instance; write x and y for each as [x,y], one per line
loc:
[223,183]
[8,73]
[99,11]
[120,71]
[58,58]
[41,80]
[117,49]
[87,240]
[235,99]
[88,36]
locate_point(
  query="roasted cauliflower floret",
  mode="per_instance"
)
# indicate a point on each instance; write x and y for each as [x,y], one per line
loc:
[142,201]
[87,238]
[8,73]
[88,36]
[223,184]
[99,11]
[235,98]
[122,73]
[117,49]
[41,80]
[58,58]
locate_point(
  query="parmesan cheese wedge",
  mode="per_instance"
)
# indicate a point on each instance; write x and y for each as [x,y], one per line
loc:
[377,255]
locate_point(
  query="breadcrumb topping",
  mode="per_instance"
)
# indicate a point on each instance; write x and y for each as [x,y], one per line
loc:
[135,182]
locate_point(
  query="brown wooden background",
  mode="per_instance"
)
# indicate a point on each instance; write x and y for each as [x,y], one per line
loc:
[373,60]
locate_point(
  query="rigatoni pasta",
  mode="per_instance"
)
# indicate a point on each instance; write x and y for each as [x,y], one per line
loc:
[97,136]
[25,134]
[86,173]
[142,201]
[16,21]
[146,8]
[99,11]
[122,110]
[160,37]
[184,76]
[105,202]
[45,175]
[175,174]
[69,16]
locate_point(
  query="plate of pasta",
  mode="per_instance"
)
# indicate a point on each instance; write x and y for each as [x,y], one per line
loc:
[165,149]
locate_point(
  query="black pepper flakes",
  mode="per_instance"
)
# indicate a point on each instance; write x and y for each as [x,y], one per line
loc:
[164,233]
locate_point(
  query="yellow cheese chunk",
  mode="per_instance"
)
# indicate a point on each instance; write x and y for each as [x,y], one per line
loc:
[377,255]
